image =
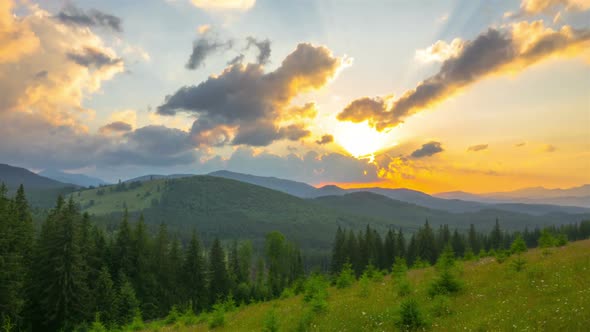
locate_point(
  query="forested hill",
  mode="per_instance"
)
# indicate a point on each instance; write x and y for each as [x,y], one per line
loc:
[231,209]
[41,191]
[221,207]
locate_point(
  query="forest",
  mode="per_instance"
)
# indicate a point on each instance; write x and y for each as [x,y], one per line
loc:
[71,272]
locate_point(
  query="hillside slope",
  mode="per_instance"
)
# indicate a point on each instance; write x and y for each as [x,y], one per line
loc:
[229,209]
[552,293]
[219,207]
[41,191]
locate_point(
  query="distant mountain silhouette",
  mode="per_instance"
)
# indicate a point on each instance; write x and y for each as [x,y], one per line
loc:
[77,179]
[14,176]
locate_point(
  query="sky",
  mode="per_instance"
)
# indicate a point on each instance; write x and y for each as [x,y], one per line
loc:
[478,96]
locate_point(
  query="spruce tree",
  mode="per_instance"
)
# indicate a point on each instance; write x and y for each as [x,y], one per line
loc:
[218,278]
[194,281]
[338,252]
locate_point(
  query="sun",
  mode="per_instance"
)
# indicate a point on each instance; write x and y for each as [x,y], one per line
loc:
[360,140]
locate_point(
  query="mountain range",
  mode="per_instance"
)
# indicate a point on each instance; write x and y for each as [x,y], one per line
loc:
[81,180]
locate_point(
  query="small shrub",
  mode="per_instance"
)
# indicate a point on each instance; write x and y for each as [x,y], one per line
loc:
[518,263]
[420,264]
[346,277]
[399,268]
[315,287]
[518,245]
[136,324]
[230,304]
[271,321]
[410,316]
[305,321]
[287,293]
[173,316]
[364,287]
[446,283]
[502,256]
[96,326]
[561,240]
[217,317]
[404,288]
[319,305]
[546,240]
[441,306]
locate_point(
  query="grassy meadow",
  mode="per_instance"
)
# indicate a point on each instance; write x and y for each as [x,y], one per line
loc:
[551,293]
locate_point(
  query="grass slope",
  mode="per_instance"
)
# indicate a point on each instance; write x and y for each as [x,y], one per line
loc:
[552,293]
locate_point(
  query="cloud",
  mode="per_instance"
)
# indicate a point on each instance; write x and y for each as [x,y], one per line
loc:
[251,106]
[53,83]
[326,139]
[263,47]
[237,60]
[533,7]
[222,5]
[440,51]
[428,149]
[203,28]
[151,145]
[93,57]
[16,37]
[548,148]
[73,15]
[115,127]
[493,52]
[479,147]
[204,47]
[311,167]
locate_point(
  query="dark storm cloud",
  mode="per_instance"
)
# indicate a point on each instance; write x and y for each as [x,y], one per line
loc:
[91,57]
[33,142]
[115,127]
[427,150]
[263,47]
[152,145]
[203,48]
[238,59]
[249,103]
[493,51]
[72,15]
[325,140]
[294,132]
[479,147]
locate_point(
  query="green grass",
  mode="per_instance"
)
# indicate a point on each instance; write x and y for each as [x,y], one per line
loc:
[136,199]
[552,293]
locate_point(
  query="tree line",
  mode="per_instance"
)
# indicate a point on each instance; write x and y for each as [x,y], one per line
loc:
[362,249]
[72,272]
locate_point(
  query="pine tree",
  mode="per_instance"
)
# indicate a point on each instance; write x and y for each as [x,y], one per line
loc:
[338,252]
[458,243]
[105,297]
[425,244]
[195,284]
[390,248]
[401,244]
[472,239]
[127,303]
[218,278]
[122,255]
[60,291]
[16,248]
[496,236]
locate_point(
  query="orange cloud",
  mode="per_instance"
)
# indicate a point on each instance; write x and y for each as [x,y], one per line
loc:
[494,52]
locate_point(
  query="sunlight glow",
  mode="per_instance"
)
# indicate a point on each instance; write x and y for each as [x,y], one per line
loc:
[360,140]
